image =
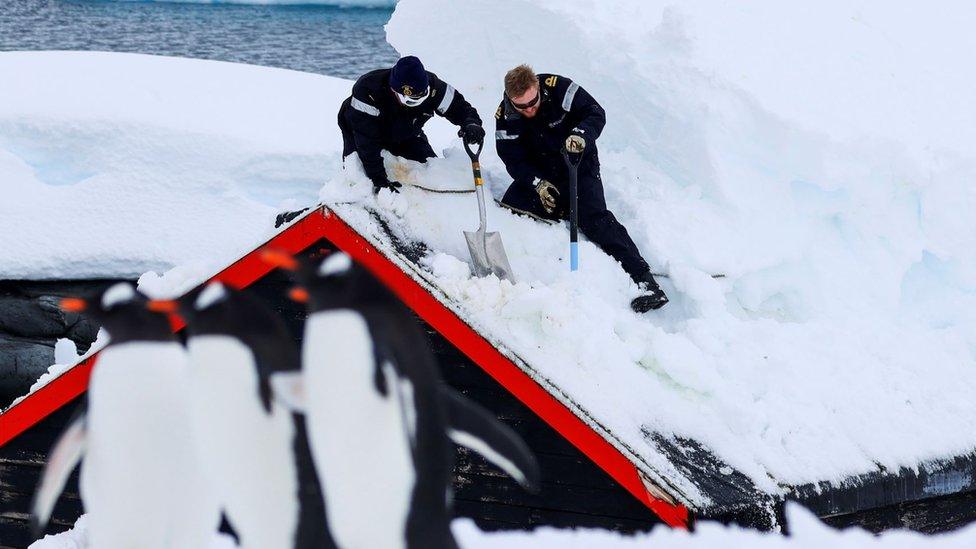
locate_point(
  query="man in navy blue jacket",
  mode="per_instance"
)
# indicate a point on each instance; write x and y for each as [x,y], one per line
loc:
[537,118]
[387,111]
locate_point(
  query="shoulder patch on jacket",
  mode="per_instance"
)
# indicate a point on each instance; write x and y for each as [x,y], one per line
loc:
[498,113]
[551,81]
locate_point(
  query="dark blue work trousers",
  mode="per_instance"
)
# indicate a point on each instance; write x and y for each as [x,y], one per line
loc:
[596,222]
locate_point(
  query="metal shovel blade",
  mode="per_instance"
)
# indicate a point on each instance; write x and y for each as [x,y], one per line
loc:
[488,255]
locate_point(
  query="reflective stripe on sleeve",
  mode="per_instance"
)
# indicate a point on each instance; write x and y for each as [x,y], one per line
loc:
[570,95]
[364,107]
[446,100]
[503,135]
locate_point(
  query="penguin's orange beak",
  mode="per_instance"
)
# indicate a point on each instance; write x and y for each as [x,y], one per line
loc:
[279,258]
[73,304]
[298,294]
[167,306]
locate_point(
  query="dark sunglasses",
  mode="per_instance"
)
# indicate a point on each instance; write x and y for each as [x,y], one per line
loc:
[529,105]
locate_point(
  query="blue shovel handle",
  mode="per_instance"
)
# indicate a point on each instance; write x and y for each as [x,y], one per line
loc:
[573,208]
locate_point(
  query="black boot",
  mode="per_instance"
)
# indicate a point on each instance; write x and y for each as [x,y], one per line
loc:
[651,297]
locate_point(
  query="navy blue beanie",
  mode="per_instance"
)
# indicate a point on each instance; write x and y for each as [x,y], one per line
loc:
[409,76]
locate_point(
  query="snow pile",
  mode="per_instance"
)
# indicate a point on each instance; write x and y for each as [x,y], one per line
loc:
[113,165]
[844,335]
[807,532]
[65,351]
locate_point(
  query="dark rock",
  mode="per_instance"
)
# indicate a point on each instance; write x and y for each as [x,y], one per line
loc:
[80,330]
[32,317]
[31,322]
[22,361]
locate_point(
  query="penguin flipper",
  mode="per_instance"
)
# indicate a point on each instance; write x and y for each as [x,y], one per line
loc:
[289,390]
[473,427]
[265,392]
[64,456]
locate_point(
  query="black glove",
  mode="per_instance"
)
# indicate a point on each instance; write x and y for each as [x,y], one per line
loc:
[393,186]
[473,134]
[576,142]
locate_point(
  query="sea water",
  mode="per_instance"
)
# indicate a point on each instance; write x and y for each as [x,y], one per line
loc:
[338,41]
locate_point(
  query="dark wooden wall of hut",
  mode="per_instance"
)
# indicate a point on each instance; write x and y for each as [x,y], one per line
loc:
[21,463]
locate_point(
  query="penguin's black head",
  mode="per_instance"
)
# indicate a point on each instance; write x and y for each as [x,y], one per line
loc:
[126,314]
[209,310]
[218,309]
[340,283]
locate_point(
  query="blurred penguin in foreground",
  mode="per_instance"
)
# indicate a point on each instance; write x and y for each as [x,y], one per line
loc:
[142,482]
[380,421]
[256,452]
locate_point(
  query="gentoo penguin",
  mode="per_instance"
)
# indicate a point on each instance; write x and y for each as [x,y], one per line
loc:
[235,343]
[379,418]
[141,480]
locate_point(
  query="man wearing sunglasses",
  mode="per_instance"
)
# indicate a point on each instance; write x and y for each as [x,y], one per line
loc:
[387,111]
[538,117]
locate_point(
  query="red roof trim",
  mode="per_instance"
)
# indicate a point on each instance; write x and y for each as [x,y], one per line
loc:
[73,382]
[58,392]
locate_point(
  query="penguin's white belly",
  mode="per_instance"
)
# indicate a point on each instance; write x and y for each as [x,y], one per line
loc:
[248,451]
[141,482]
[358,436]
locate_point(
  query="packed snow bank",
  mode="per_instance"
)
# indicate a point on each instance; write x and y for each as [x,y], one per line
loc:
[844,336]
[115,164]
[807,532]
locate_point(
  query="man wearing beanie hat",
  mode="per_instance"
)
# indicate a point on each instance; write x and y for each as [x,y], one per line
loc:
[387,111]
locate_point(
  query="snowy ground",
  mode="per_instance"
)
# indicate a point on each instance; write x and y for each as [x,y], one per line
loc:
[829,179]
[807,533]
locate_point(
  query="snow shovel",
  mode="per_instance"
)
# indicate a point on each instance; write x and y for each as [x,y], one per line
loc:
[573,168]
[487,253]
